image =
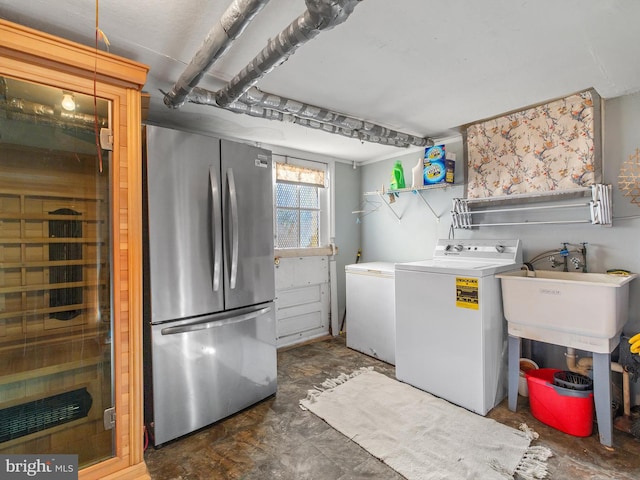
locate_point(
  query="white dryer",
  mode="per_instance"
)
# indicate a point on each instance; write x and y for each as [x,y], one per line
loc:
[450,330]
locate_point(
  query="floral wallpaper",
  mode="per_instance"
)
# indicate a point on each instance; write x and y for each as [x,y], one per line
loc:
[542,149]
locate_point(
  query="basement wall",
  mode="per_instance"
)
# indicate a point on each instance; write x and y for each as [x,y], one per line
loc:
[384,238]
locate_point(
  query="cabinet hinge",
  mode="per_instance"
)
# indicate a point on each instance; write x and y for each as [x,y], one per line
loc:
[106,139]
[109,418]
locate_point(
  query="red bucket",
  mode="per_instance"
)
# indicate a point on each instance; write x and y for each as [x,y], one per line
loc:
[570,411]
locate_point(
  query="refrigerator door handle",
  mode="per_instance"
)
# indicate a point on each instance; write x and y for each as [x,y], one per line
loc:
[234,228]
[216,234]
[194,327]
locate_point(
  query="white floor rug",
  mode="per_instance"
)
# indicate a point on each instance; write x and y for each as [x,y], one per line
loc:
[421,436]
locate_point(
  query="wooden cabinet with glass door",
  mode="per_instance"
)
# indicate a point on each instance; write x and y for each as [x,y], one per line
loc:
[70,254]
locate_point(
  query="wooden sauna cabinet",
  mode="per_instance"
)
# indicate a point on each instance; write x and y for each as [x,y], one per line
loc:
[58,336]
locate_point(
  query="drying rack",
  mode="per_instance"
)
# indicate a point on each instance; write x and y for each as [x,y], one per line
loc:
[471,213]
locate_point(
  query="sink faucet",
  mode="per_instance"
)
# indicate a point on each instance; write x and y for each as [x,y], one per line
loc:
[564,253]
[583,252]
[577,263]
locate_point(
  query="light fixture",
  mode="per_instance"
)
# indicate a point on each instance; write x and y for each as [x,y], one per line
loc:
[68,103]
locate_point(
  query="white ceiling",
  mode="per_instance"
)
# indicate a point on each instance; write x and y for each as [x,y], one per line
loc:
[423,67]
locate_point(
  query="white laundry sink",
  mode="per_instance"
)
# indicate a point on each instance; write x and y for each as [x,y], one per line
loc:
[582,310]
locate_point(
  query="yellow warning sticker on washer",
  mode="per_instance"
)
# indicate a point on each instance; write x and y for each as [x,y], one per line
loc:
[467,293]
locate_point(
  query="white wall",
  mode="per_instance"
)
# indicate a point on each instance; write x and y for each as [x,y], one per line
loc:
[347,237]
[384,238]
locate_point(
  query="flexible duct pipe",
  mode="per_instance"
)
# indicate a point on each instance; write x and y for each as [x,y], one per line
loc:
[320,15]
[45,114]
[314,117]
[233,22]
[254,96]
[254,111]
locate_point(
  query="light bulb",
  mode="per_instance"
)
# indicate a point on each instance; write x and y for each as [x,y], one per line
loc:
[68,103]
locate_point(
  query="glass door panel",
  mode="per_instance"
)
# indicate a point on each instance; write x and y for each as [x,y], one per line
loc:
[55,273]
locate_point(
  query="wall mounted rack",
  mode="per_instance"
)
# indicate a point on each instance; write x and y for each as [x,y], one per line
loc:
[470,213]
[385,195]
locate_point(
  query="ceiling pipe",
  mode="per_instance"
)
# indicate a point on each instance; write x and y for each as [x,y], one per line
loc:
[254,96]
[207,97]
[239,96]
[253,111]
[239,107]
[26,110]
[232,23]
[274,107]
[320,15]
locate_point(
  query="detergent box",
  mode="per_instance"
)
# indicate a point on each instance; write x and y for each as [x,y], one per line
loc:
[437,167]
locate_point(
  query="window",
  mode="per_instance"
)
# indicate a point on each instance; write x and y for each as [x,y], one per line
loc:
[298,206]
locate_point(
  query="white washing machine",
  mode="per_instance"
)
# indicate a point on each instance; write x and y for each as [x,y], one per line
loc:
[371,324]
[450,330]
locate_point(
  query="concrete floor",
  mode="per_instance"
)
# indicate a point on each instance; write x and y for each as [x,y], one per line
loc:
[277,440]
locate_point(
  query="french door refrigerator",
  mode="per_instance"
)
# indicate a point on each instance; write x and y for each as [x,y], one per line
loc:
[209,336]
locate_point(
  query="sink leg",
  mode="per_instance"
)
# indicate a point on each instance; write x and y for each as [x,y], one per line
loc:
[602,394]
[513,371]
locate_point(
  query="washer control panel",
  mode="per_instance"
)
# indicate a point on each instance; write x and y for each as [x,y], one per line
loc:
[502,250]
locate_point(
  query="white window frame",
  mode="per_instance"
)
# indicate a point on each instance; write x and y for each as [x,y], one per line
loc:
[326,218]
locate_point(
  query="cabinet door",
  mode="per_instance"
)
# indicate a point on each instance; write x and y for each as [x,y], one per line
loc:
[55,274]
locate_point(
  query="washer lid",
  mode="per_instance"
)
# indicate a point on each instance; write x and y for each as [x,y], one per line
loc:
[457,267]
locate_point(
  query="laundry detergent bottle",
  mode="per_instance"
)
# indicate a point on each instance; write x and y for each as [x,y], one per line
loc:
[397,176]
[417,174]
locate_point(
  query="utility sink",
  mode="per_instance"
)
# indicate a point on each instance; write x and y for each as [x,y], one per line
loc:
[573,309]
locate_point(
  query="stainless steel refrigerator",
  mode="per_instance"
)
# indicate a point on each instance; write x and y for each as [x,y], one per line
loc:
[209,336]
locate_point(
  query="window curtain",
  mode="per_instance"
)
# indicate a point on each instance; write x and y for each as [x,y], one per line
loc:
[288,173]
